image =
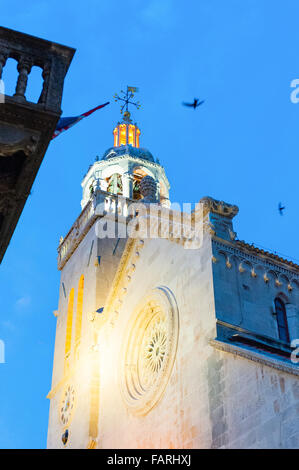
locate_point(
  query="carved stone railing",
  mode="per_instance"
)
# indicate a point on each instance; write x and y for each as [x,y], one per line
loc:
[153,221]
[54,60]
[100,204]
[26,128]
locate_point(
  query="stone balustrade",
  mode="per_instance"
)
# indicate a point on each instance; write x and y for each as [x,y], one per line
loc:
[26,128]
[54,60]
[101,203]
[164,222]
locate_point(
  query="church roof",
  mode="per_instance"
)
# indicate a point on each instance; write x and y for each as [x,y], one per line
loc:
[128,149]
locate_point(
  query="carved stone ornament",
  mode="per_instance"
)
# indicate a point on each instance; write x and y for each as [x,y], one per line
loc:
[148,189]
[253,273]
[219,207]
[149,351]
[14,139]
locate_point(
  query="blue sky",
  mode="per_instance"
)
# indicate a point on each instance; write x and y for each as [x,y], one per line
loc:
[241,146]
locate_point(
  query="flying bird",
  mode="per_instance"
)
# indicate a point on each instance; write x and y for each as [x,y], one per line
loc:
[195,103]
[280,208]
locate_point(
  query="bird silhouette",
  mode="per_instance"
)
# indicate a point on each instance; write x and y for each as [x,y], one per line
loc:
[195,103]
[281,208]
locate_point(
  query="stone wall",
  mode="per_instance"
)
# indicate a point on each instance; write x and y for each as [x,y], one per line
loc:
[180,418]
[245,289]
[213,398]
[97,260]
[251,405]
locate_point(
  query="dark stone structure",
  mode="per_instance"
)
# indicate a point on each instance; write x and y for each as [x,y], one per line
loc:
[26,128]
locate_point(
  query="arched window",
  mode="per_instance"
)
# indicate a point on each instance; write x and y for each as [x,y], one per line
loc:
[79,313]
[282,323]
[69,326]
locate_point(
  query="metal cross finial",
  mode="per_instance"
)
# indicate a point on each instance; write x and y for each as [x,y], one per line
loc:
[126,98]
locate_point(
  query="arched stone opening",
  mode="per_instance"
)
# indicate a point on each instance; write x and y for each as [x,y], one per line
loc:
[114,184]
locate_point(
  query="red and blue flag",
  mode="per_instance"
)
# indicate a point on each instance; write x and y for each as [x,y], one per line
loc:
[65,123]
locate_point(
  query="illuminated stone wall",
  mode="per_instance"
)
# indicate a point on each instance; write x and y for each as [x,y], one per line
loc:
[97,260]
[175,352]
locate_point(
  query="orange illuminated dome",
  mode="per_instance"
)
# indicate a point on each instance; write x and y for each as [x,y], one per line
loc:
[126,133]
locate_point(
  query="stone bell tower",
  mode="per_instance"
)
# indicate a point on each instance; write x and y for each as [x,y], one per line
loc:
[181,337]
[125,174]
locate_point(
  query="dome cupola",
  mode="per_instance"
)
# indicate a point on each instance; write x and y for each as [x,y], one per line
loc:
[123,166]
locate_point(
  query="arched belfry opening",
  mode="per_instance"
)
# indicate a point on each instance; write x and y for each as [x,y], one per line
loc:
[138,173]
[114,184]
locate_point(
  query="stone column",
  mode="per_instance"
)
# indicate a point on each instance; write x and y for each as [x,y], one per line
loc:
[104,185]
[24,68]
[127,185]
[46,76]
[3,58]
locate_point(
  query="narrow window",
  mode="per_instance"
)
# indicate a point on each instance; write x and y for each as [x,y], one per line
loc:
[79,312]
[283,331]
[69,325]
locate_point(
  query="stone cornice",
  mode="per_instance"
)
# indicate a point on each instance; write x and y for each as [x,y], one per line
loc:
[114,160]
[34,45]
[248,353]
[266,258]
[267,254]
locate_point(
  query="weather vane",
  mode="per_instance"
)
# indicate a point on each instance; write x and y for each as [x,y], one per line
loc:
[127,99]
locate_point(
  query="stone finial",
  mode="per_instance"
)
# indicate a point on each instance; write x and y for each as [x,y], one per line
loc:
[219,207]
[148,189]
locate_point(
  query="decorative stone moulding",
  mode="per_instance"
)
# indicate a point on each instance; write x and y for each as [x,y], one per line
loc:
[258,251]
[149,351]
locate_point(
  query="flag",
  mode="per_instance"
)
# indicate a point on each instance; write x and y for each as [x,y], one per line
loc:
[65,123]
[133,89]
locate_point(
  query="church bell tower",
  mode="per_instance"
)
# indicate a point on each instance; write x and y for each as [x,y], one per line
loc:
[177,341]
[89,265]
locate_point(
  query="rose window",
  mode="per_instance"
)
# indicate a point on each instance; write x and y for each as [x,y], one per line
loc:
[149,350]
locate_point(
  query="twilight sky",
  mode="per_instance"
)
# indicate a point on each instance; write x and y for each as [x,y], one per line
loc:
[241,146]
